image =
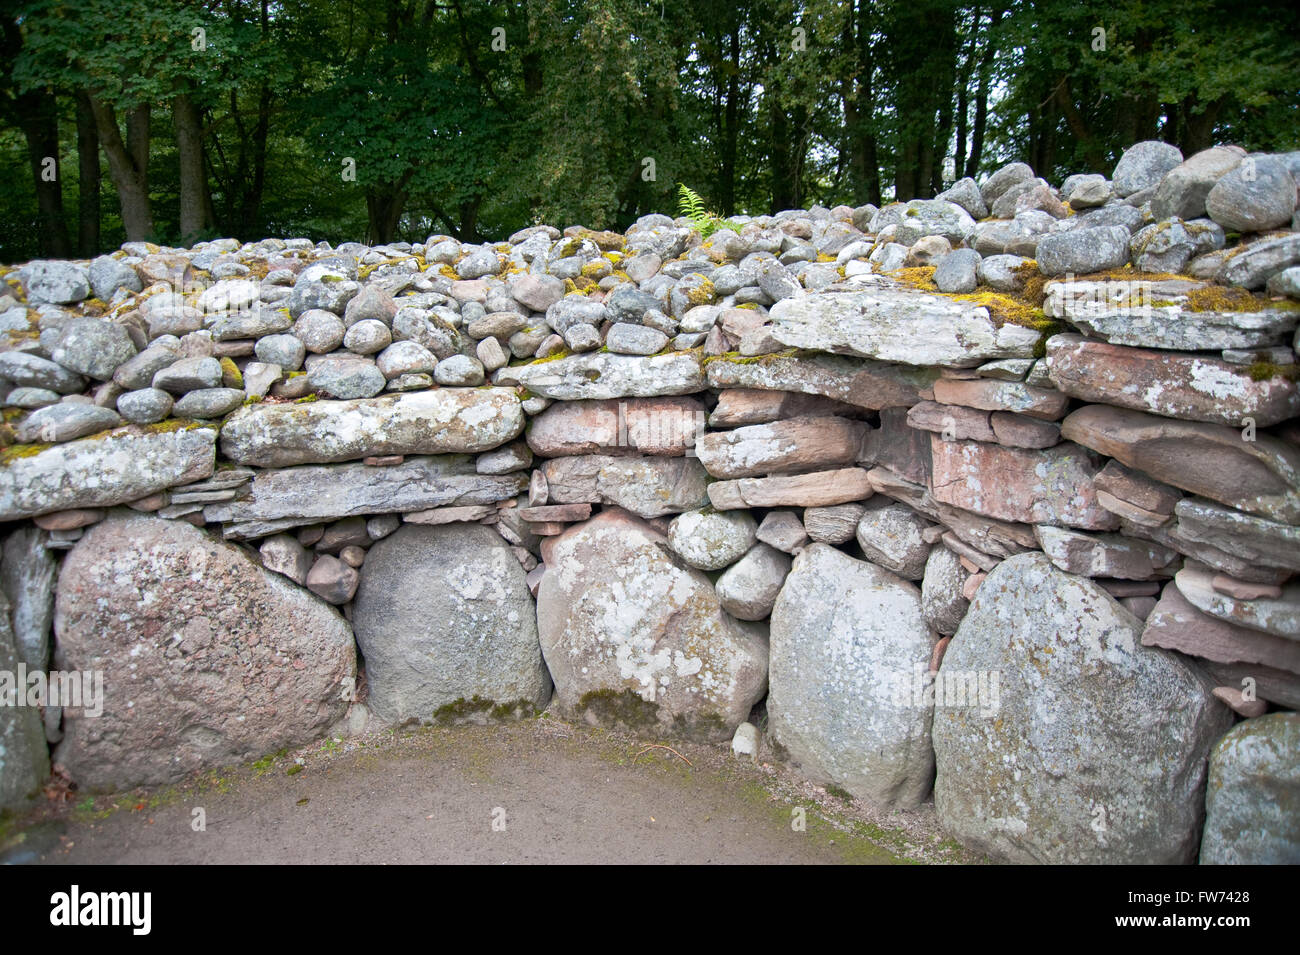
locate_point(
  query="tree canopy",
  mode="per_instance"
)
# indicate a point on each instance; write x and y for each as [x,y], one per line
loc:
[177,120]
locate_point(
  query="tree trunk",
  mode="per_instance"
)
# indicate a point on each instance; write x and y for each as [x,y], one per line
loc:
[39,119]
[980,121]
[195,204]
[88,179]
[130,175]
[731,131]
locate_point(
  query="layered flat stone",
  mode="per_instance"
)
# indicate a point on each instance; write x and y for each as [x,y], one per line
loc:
[1255,539]
[782,447]
[819,489]
[1050,486]
[1260,476]
[659,426]
[737,407]
[440,421]
[1154,314]
[898,446]
[993,537]
[1279,616]
[1103,555]
[600,375]
[1189,387]
[646,486]
[118,466]
[901,325]
[989,394]
[1176,624]
[317,492]
[865,384]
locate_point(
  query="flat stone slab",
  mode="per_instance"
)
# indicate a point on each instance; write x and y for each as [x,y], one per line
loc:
[1049,486]
[1260,476]
[118,466]
[1152,314]
[1176,624]
[666,426]
[439,421]
[646,486]
[1279,616]
[866,384]
[1172,385]
[738,407]
[989,394]
[1104,555]
[312,492]
[1254,539]
[597,375]
[782,447]
[819,489]
[902,325]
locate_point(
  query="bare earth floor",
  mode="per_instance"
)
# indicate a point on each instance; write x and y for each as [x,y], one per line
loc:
[539,791]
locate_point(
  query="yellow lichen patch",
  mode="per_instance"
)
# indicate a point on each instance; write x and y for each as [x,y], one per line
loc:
[1224,298]
[1006,309]
[918,277]
[448,272]
[823,257]
[230,374]
[702,294]
[16,451]
[1264,370]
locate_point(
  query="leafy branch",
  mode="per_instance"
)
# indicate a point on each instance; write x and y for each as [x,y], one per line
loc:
[691,206]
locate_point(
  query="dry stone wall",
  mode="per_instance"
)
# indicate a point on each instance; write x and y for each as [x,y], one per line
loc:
[992,498]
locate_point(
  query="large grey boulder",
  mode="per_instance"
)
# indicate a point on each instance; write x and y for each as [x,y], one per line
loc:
[24,758]
[849,645]
[1081,251]
[1143,165]
[1252,801]
[93,347]
[55,283]
[443,421]
[443,616]
[1183,190]
[1255,196]
[123,465]
[1062,771]
[633,637]
[206,657]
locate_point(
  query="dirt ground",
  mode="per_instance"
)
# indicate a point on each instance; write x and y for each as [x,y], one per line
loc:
[538,791]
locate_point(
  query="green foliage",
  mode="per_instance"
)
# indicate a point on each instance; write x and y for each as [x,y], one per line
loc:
[691,206]
[474,118]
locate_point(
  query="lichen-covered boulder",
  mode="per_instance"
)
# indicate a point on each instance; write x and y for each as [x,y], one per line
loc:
[1096,750]
[206,657]
[849,645]
[1252,801]
[444,618]
[634,637]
